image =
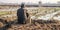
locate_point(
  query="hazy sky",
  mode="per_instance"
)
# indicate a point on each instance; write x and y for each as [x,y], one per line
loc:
[33,1]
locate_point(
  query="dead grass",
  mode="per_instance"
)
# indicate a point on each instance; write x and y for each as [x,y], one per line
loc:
[35,26]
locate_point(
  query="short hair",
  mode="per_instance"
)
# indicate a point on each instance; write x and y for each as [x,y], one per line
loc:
[22,5]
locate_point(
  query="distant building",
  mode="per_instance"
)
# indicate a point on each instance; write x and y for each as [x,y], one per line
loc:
[40,3]
[58,2]
[51,5]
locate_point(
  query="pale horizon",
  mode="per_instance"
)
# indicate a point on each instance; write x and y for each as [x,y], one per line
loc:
[31,1]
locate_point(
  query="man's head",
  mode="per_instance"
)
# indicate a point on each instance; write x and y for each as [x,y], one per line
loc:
[22,5]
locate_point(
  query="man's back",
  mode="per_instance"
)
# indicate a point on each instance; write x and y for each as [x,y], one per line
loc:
[20,15]
[20,12]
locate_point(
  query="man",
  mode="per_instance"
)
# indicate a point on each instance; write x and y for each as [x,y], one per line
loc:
[21,14]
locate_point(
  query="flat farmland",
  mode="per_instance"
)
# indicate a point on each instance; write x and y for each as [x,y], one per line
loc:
[36,13]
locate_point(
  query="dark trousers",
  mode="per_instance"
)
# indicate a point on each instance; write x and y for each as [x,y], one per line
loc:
[21,20]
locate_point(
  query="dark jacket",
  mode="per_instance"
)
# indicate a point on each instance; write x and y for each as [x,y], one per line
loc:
[21,15]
